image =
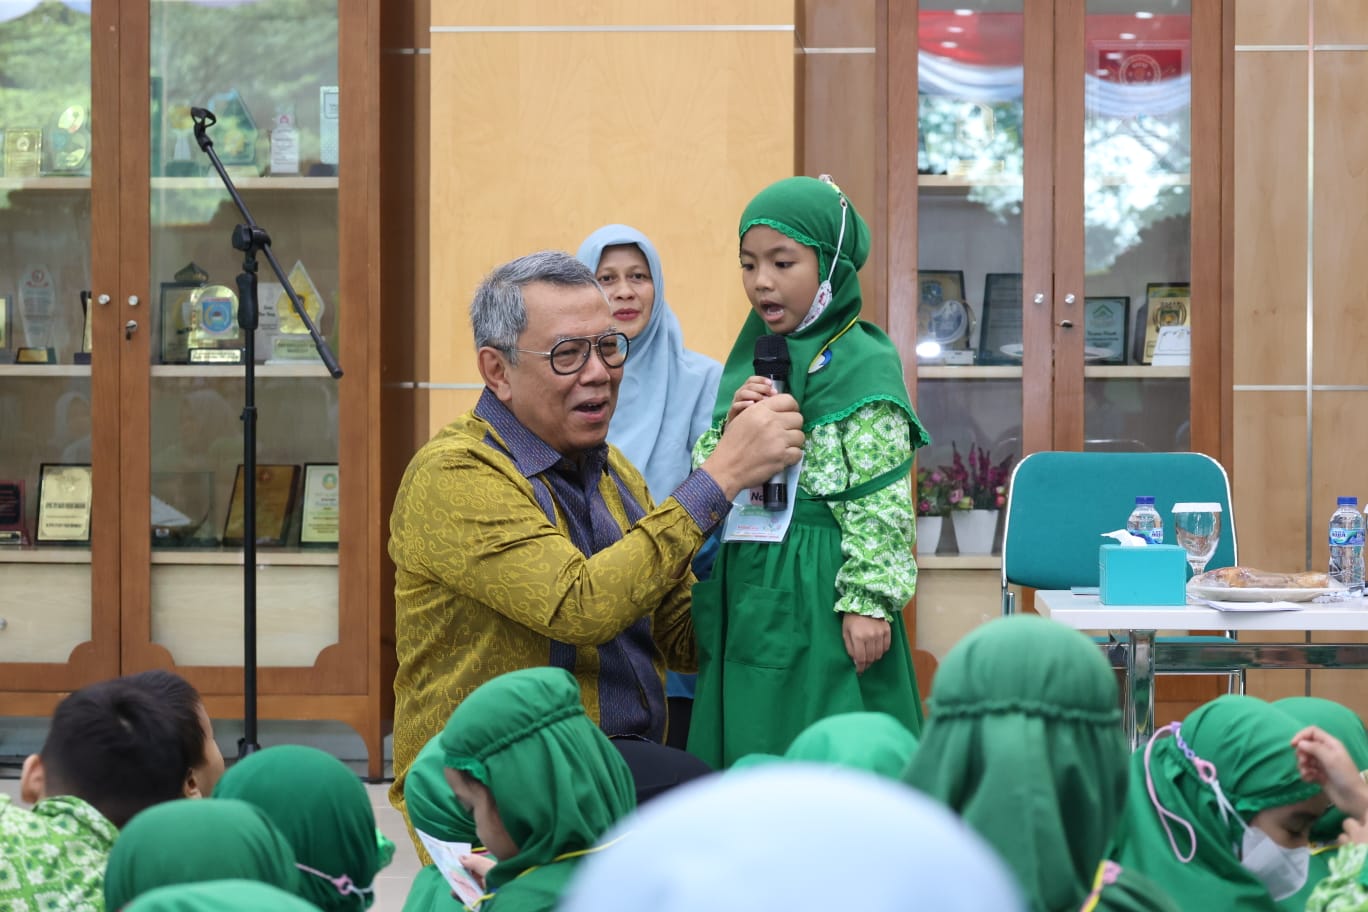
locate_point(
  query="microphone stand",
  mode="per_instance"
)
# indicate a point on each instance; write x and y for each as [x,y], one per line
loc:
[252,239]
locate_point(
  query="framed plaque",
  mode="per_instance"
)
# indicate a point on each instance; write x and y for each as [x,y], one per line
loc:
[1001,336]
[64,498]
[1105,329]
[275,502]
[12,531]
[4,325]
[215,337]
[1166,304]
[944,321]
[175,321]
[23,151]
[319,513]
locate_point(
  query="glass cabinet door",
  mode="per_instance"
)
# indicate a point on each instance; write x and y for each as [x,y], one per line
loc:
[47,411]
[1137,225]
[971,340]
[267,72]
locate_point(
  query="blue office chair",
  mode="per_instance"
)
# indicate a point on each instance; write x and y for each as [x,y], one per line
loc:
[1058,503]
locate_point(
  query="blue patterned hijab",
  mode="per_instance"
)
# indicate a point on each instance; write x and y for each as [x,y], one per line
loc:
[666,399]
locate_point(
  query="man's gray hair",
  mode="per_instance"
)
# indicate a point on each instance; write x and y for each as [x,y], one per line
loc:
[498,313]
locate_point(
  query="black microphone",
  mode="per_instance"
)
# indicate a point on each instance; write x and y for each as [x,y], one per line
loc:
[772,361]
[204,115]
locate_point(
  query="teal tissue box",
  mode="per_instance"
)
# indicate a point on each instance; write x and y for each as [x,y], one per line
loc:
[1148,575]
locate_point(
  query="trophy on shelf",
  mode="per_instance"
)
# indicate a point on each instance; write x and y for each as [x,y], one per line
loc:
[284,143]
[182,127]
[66,146]
[4,328]
[945,323]
[237,139]
[214,336]
[292,341]
[175,313]
[23,151]
[12,531]
[328,124]
[37,312]
[87,315]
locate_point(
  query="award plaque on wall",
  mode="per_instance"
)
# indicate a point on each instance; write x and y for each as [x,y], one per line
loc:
[1002,329]
[1105,329]
[12,530]
[275,502]
[318,520]
[944,320]
[1166,304]
[64,499]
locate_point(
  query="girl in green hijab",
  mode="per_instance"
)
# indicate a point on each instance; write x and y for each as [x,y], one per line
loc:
[322,808]
[182,842]
[434,810]
[1345,725]
[1025,742]
[792,631]
[1218,811]
[541,781]
[874,742]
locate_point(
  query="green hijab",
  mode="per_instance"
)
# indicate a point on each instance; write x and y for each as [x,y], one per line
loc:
[1250,744]
[858,363]
[188,841]
[323,810]
[557,780]
[1024,740]
[433,808]
[219,896]
[1344,724]
[871,741]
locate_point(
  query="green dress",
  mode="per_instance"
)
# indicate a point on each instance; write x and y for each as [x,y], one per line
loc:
[772,658]
[1025,743]
[558,782]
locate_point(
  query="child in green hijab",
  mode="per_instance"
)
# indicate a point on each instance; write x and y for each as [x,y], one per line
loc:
[1025,743]
[1344,724]
[541,781]
[322,808]
[433,810]
[792,631]
[190,841]
[1218,809]
[219,896]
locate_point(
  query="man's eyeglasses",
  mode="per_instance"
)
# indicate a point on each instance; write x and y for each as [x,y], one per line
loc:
[568,356]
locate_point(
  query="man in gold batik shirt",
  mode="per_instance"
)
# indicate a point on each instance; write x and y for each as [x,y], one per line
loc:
[521,538]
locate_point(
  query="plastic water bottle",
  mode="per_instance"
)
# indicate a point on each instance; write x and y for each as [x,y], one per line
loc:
[1146,522]
[1346,544]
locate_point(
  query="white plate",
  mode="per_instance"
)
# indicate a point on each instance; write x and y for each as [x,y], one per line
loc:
[1233,594]
[1090,353]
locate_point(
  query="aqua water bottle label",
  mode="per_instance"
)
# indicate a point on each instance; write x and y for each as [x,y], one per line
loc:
[1341,537]
[1154,536]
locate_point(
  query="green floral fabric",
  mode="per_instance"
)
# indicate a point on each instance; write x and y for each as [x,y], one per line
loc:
[53,856]
[878,530]
[1342,890]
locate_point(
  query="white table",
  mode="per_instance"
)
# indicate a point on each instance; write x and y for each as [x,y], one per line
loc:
[1139,623]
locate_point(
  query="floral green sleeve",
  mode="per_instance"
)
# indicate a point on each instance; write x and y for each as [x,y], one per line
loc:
[1341,890]
[706,443]
[879,575]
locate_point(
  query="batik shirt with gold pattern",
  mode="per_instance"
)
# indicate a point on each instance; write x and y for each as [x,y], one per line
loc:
[486,582]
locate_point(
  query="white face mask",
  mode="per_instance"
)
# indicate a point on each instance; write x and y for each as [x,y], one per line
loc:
[1283,871]
[823,296]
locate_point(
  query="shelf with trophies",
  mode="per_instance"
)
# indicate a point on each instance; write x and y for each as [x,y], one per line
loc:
[122,347]
[1055,276]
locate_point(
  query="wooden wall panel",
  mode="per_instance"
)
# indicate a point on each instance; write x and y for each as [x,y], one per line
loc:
[1272,21]
[1338,439]
[1269,495]
[838,23]
[1340,223]
[1339,21]
[1270,196]
[950,603]
[543,136]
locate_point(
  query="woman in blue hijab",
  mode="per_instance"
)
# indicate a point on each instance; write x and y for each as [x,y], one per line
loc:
[666,398]
[667,392]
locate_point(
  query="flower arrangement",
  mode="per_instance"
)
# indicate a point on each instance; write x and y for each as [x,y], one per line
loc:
[933,492]
[979,486]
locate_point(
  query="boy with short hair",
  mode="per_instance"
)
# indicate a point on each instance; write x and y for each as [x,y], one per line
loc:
[113,749]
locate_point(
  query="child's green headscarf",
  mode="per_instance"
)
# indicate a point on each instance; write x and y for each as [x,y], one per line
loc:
[219,896]
[871,741]
[192,840]
[1024,740]
[1250,744]
[557,780]
[323,810]
[433,809]
[856,361]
